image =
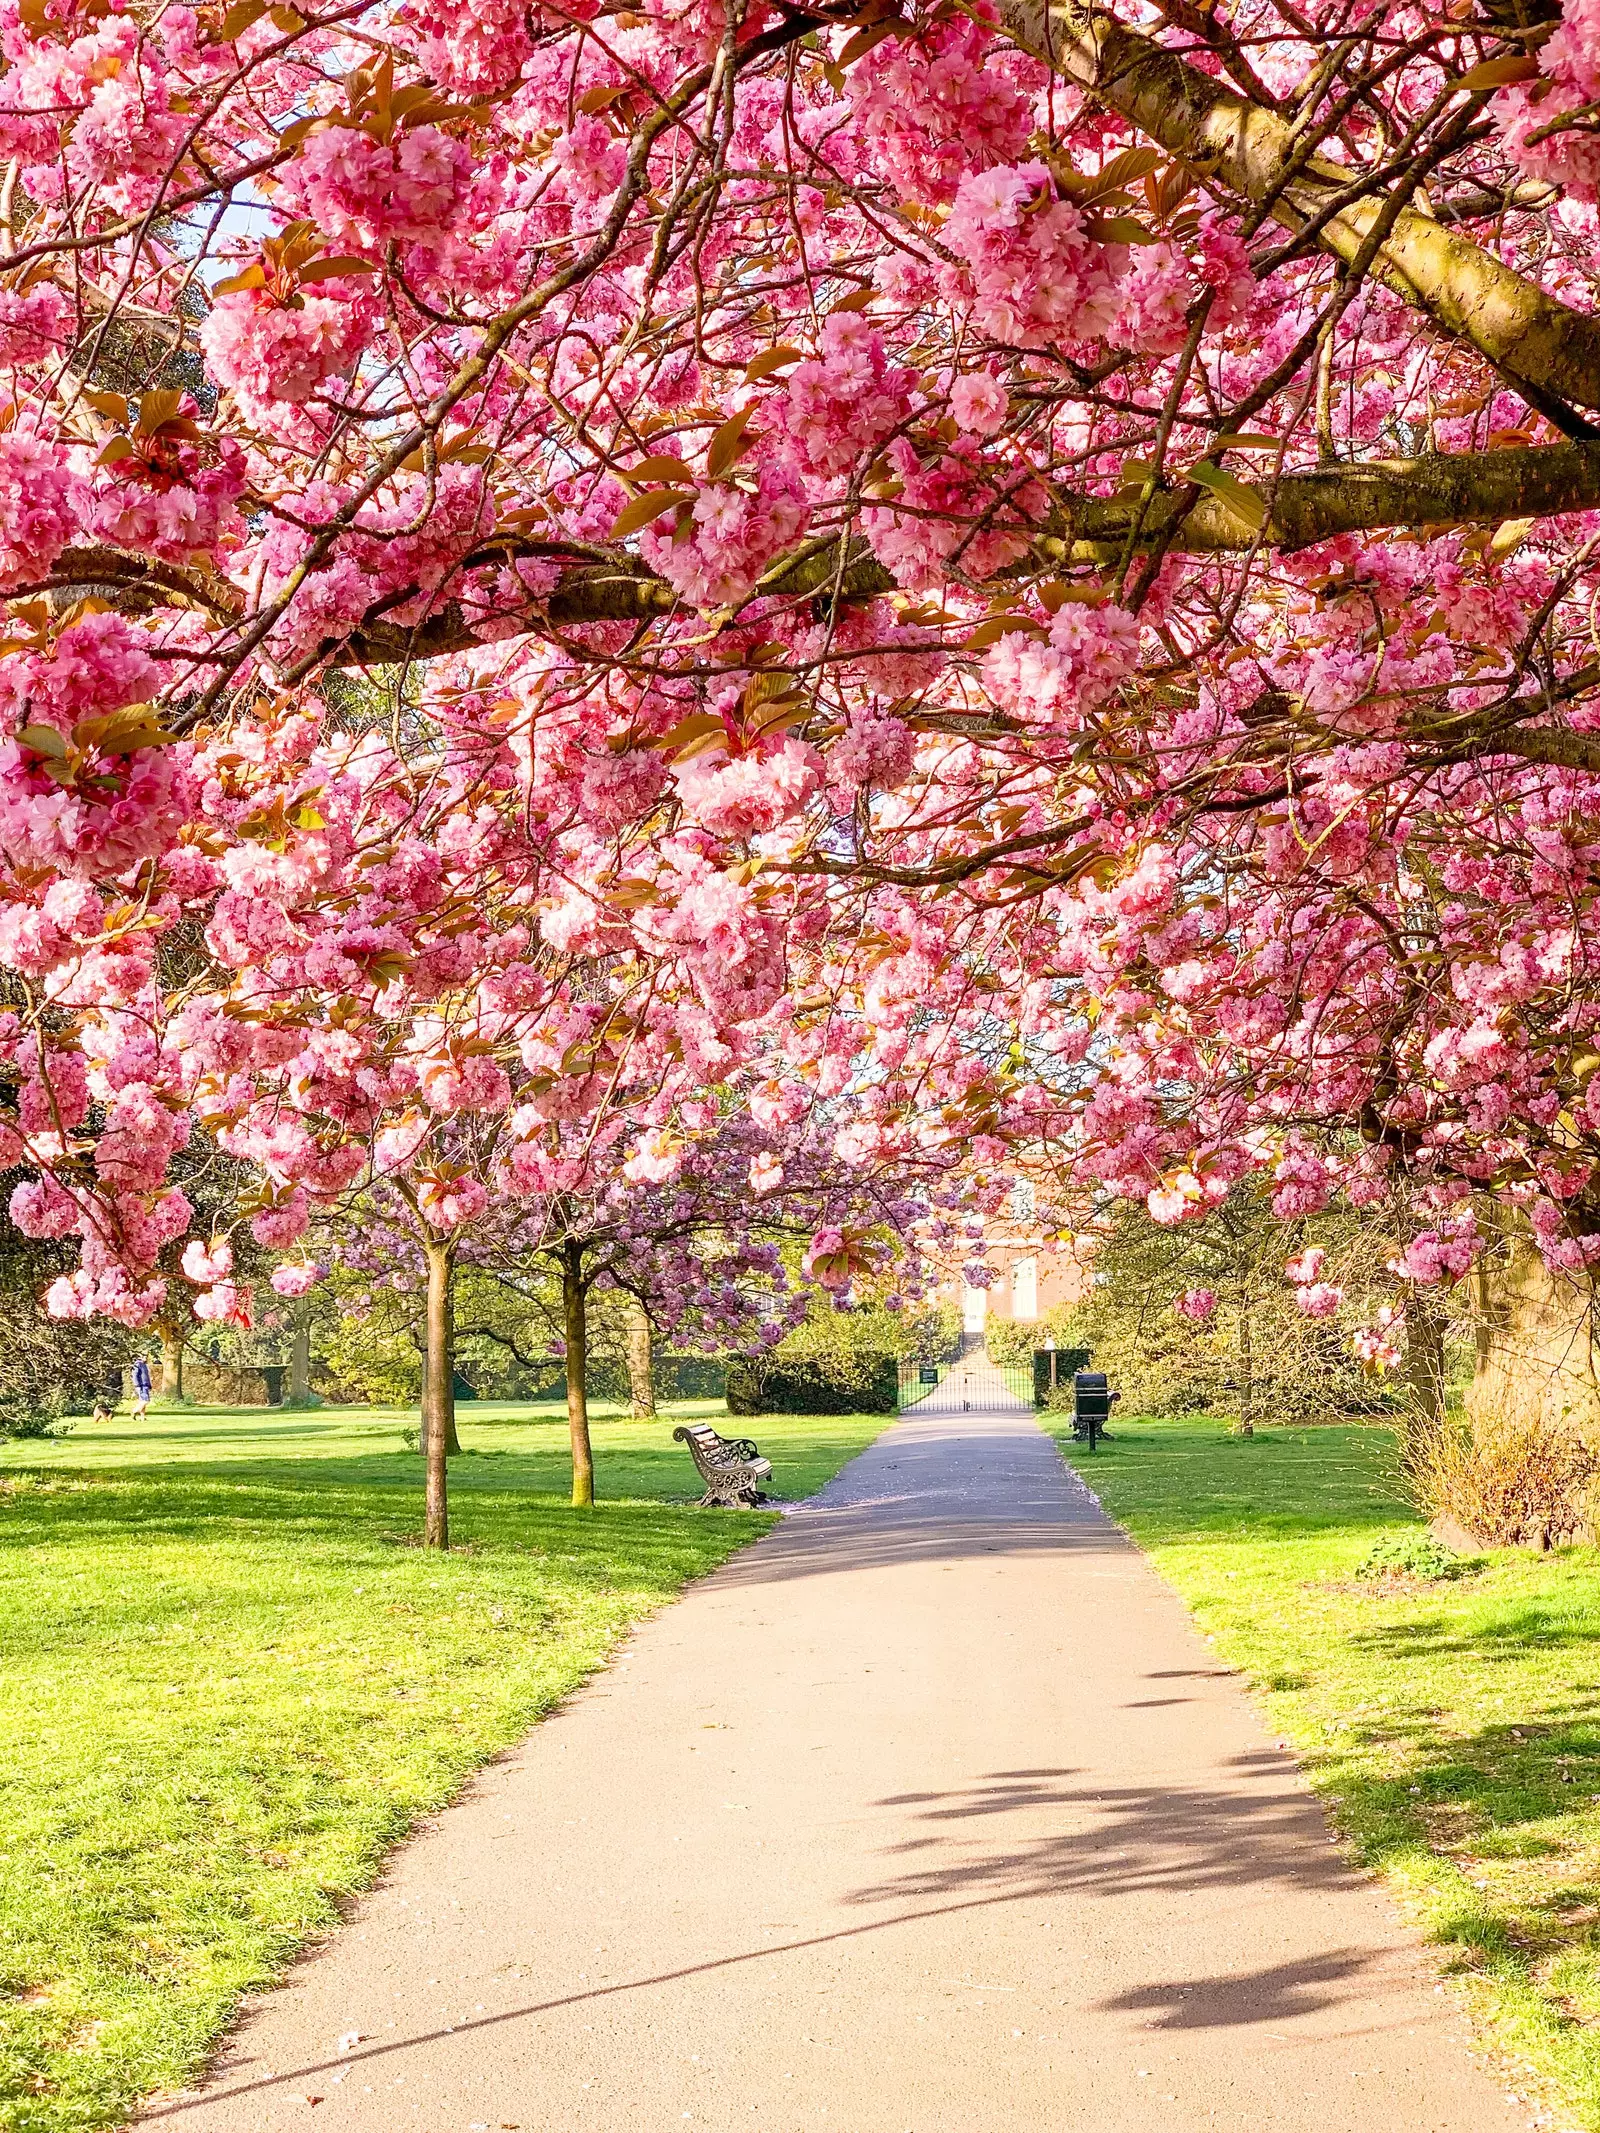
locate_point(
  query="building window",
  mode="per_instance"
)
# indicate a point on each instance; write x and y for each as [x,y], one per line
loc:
[1025,1289]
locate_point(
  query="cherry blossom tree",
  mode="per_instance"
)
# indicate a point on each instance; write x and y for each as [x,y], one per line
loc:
[1054,540]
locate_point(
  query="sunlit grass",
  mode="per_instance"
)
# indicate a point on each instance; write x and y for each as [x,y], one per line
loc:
[1453,1729]
[231,1681]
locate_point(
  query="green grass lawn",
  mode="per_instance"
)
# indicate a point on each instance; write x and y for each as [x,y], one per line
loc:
[1452,1728]
[231,1681]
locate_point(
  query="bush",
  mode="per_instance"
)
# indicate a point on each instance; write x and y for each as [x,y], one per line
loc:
[870,1386]
[1511,1480]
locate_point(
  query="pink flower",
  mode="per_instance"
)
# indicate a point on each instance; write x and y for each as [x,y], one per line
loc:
[1196,1304]
[979,403]
[278,1227]
[225,1304]
[448,1202]
[766,1174]
[295,1280]
[657,1156]
[1319,1299]
[205,1267]
[1307,1267]
[744,796]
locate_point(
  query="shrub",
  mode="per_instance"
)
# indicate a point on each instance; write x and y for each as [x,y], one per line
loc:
[1512,1481]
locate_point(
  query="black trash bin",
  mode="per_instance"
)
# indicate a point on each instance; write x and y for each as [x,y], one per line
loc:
[1092,1402]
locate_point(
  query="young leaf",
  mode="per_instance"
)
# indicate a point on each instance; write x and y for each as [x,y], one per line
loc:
[593,100]
[251,277]
[661,466]
[1510,536]
[1122,170]
[645,510]
[238,19]
[864,41]
[769,360]
[1495,73]
[998,626]
[326,269]
[1238,497]
[698,726]
[728,443]
[43,740]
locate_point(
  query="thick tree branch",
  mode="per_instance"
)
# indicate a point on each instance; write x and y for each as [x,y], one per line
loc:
[1543,348]
[1373,496]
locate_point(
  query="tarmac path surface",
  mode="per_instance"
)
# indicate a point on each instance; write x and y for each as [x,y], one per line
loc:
[930,1813]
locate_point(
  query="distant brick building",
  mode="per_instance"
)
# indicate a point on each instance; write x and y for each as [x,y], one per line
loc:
[1032,1276]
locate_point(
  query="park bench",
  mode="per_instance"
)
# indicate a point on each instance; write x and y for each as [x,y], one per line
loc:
[731,1467]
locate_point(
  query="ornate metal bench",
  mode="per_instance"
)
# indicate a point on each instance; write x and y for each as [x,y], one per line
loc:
[731,1467]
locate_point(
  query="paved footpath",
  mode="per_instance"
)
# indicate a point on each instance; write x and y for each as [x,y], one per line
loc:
[930,1813]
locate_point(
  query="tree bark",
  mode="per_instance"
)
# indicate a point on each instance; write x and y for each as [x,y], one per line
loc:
[1532,339]
[300,1364]
[452,1443]
[1538,1367]
[575,1305]
[1247,1365]
[641,1379]
[171,1386]
[438,1393]
[1424,1398]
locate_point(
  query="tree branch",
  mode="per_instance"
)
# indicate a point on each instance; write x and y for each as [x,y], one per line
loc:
[1546,351]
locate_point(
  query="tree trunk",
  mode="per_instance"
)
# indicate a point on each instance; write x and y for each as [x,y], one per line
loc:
[452,1443]
[438,1393]
[1424,1405]
[1537,1362]
[300,1365]
[171,1386]
[575,1301]
[641,1380]
[1247,1367]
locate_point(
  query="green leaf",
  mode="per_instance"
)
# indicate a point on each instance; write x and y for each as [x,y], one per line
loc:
[645,510]
[1120,229]
[43,740]
[1245,503]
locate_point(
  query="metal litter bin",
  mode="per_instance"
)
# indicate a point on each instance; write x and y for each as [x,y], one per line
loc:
[1092,1402]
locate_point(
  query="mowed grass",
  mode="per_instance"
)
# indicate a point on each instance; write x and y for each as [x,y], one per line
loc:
[231,1681]
[1453,1729]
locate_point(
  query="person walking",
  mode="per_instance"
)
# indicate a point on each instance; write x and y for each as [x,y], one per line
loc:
[141,1387]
